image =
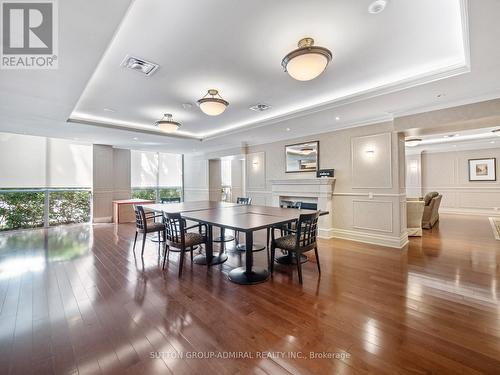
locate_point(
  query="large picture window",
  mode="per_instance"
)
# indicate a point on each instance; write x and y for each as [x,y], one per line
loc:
[44,181]
[156,175]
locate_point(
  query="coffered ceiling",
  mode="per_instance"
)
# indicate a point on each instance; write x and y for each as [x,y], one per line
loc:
[414,56]
[237,47]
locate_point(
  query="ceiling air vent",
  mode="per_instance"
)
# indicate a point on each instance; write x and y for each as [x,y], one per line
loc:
[139,65]
[260,107]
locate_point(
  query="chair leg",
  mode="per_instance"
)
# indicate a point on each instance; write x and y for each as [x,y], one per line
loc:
[273,252]
[143,244]
[317,258]
[159,242]
[135,240]
[181,261]
[299,266]
[192,254]
[165,255]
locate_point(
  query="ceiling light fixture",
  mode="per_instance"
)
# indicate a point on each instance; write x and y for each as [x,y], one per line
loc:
[377,6]
[167,124]
[306,62]
[337,118]
[412,142]
[212,103]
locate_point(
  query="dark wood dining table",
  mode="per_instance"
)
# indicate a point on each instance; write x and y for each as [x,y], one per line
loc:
[242,218]
[208,258]
[246,219]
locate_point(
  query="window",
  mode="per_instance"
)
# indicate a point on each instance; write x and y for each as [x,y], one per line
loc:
[44,181]
[156,175]
[225,174]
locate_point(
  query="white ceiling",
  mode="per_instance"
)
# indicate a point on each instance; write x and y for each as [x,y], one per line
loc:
[474,139]
[381,68]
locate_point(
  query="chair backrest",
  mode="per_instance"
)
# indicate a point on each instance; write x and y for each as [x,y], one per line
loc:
[170,200]
[174,228]
[291,204]
[307,229]
[244,200]
[140,218]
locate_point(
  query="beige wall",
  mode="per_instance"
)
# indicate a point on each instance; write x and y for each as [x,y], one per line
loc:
[369,197]
[414,175]
[448,173]
[196,178]
[111,180]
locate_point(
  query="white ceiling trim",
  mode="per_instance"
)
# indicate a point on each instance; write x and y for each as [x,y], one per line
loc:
[416,79]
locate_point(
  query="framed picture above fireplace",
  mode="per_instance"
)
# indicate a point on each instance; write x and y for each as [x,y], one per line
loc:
[302,157]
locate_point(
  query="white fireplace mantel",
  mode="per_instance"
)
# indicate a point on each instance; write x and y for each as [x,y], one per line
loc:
[318,190]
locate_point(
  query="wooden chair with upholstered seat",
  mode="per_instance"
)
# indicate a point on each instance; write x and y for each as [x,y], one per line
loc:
[145,224]
[299,241]
[178,237]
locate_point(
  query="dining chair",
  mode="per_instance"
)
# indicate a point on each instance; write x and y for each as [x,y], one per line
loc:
[170,200]
[145,224]
[299,241]
[178,237]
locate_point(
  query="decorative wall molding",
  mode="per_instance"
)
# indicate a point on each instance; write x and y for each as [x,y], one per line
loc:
[368,194]
[371,238]
[362,165]
[469,211]
[355,217]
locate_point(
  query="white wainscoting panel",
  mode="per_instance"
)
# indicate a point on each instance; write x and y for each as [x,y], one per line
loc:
[372,215]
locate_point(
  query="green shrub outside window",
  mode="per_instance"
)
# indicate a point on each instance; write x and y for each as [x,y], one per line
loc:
[21,210]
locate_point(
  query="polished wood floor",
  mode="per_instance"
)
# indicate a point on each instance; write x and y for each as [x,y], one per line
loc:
[76,300]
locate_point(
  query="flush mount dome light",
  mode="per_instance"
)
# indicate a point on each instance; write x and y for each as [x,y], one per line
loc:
[377,6]
[212,103]
[306,62]
[412,142]
[167,124]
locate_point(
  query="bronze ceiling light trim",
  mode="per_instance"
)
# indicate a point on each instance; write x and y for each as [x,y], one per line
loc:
[167,124]
[212,103]
[308,61]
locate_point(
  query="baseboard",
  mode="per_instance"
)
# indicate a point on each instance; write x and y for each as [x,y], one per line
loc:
[468,211]
[104,219]
[371,238]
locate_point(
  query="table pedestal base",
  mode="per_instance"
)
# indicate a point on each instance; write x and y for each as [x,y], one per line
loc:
[290,259]
[224,239]
[240,276]
[255,247]
[216,259]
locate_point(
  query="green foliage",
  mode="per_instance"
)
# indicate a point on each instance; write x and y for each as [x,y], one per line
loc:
[173,192]
[67,207]
[21,210]
[26,209]
[144,194]
[170,192]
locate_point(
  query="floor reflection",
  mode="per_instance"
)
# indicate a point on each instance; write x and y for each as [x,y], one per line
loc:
[30,250]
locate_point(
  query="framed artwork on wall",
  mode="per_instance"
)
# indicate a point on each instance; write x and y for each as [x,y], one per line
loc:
[483,169]
[302,157]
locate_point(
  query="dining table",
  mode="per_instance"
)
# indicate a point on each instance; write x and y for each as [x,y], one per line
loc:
[245,219]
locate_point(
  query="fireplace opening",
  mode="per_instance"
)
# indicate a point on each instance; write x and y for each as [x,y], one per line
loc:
[303,205]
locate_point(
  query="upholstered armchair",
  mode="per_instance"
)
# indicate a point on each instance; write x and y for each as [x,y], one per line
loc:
[431,209]
[414,215]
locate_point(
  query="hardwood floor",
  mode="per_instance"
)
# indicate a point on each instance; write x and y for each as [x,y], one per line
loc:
[75,300]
